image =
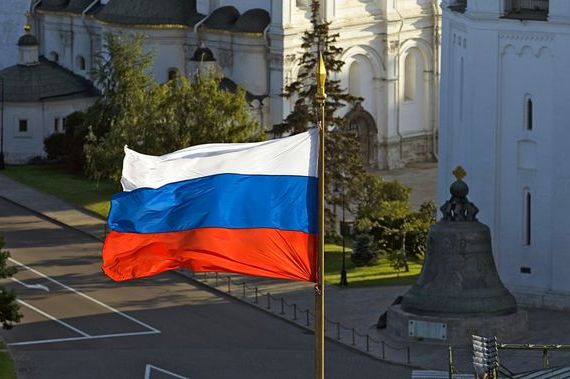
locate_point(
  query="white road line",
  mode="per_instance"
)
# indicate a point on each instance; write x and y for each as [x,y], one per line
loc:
[54,319]
[150,367]
[70,339]
[86,296]
[31,286]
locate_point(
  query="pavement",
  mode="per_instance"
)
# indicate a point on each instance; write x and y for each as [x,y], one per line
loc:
[351,313]
[79,324]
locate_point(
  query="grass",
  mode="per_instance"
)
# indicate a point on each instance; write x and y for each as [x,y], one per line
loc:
[7,370]
[379,274]
[75,189]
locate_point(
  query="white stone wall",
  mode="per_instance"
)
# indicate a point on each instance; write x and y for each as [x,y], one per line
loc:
[490,68]
[20,147]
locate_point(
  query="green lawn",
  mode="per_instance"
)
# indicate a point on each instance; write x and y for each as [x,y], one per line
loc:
[7,370]
[380,274]
[74,189]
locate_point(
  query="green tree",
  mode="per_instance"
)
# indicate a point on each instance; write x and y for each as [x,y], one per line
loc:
[9,308]
[384,211]
[364,252]
[344,167]
[156,119]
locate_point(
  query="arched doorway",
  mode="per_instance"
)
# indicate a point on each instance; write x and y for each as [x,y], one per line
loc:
[362,122]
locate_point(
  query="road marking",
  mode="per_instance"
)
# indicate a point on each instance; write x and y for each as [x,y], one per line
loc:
[86,296]
[54,319]
[31,286]
[71,339]
[150,367]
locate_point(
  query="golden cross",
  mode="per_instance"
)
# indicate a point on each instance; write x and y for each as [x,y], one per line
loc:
[459,173]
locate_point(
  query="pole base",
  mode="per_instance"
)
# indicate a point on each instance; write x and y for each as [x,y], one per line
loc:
[343,279]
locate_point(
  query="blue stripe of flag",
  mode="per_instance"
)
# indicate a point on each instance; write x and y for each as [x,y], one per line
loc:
[219,201]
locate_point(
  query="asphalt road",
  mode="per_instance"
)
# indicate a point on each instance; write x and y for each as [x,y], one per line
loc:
[79,324]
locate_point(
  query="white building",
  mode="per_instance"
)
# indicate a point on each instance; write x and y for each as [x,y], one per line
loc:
[36,95]
[391,55]
[505,117]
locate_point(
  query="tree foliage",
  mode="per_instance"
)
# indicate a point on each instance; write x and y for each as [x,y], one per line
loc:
[344,167]
[155,118]
[384,211]
[364,251]
[9,308]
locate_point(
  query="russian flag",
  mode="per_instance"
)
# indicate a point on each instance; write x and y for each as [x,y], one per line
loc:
[248,208]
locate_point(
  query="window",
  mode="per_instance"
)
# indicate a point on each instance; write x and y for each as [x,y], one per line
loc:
[172,73]
[354,83]
[56,124]
[80,63]
[526,9]
[63,122]
[22,126]
[410,77]
[527,218]
[529,114]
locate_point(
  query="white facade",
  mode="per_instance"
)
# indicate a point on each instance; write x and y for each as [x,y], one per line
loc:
[378,36]
[505,118]
[26,126]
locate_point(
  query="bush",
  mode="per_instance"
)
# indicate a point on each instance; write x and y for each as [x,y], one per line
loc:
[364,252]
[9,308]
[54,146]
[75,135]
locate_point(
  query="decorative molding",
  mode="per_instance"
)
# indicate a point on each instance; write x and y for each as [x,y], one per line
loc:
[518,36]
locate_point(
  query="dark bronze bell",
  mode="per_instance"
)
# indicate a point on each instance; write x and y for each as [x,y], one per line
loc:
[459,276]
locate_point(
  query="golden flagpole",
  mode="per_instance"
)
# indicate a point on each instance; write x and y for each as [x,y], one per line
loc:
[320,288]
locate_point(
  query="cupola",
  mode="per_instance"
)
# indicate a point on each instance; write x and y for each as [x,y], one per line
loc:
[28,47]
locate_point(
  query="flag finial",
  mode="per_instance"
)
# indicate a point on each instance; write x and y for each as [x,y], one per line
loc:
[321,79]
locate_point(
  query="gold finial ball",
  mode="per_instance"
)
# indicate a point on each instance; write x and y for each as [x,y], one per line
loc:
[459,173]
[27,28]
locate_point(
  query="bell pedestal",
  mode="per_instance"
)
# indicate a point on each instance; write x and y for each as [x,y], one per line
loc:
[456,329]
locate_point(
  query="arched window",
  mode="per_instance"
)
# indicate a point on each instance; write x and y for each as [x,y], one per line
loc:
[53,56]
[410,68]
[172,73]
[527,217]
[529,113]
[354,79]
[80,63]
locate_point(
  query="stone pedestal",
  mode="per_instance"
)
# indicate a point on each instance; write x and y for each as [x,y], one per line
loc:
[454,330]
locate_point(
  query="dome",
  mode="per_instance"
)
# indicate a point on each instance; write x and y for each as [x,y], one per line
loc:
[222,18]
[28,40]
[150,12]
[54,4]
[253,21]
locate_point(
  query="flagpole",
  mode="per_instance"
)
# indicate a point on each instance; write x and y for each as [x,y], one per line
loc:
[320,288]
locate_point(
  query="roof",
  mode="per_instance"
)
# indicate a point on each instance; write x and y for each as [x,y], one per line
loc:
[44,81]
[132,12]
[28,40]
[546,373]
[253,21]
[229,18]
[229,85]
